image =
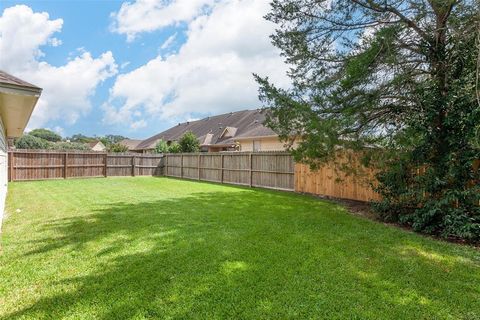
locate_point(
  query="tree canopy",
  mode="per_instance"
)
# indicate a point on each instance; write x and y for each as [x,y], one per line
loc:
[28,141]
[47,139]
[46,135]
[396,80]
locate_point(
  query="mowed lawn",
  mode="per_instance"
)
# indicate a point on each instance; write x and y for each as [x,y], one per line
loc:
[140,248]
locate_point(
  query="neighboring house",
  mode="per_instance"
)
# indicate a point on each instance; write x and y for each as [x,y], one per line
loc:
[234,131]
[97,145]
[17,100]
[131,144]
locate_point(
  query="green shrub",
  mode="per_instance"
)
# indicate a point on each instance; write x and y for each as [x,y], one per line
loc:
[174,148]
[28,141]
[161,147]
[117,148]
[453,213]
[189,142]
[69,146]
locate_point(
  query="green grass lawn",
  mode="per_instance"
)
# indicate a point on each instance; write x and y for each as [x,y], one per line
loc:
[137,248]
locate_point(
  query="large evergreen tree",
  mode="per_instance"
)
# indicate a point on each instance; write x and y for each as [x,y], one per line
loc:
[398,80]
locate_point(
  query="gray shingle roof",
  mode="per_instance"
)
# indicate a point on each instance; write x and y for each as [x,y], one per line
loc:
[131,144]
[8,79]
[210,129]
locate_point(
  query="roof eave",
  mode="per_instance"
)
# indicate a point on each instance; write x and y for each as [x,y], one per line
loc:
[16,106]
[19,89]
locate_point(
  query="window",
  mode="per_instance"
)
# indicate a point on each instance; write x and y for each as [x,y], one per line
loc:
[257,145]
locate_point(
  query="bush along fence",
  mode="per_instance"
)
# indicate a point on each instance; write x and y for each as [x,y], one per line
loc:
[274,170]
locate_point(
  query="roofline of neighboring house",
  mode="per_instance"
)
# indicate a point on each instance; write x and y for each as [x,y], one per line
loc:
[221,144]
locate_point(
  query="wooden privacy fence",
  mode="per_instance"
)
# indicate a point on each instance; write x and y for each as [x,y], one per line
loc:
[39,165]
[331,182]
[275,170]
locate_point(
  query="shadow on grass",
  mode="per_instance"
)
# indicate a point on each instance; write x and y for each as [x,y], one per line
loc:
[249,254]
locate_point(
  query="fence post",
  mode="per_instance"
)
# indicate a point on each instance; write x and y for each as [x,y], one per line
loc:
[181,166]
[221,168]
[105,165]
[198,166]
[65,165]
[12,155]
[251,169]
[133,165]
[165,167]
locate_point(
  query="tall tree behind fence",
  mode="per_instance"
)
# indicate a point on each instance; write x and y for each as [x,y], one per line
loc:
[275,170]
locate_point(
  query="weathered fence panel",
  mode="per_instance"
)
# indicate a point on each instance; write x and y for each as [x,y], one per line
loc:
[45,164]
[85,165]
[120,165]
[275,174]
[148,165]
[211,167]
[28,166]
[260,169]
[173,166]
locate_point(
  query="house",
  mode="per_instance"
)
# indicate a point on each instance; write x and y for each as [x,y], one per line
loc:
[131,144]
[97,145]
[17,100]
[234,131]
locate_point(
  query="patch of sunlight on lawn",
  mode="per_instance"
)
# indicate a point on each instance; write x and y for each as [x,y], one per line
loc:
[230,267]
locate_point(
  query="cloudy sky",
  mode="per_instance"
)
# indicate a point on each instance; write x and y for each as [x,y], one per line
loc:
[135,68]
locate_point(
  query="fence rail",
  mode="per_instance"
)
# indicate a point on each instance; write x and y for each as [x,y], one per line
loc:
[275,170]
[38,165]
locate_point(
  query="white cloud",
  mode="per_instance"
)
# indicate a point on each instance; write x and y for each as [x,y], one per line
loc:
[149,15]
[22,32]
[138,124]
[169,41]
[54,42]
[212,71]
[59,130]
[124,65]
[66,88]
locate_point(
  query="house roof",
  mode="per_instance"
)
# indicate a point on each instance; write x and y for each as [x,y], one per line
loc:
[8,79]
[216,130]
[131,144]
[94,143]
[17,100]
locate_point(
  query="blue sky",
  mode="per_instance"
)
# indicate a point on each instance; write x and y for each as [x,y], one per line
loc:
[137,68]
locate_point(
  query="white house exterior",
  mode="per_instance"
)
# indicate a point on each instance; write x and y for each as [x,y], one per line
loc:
[17,100]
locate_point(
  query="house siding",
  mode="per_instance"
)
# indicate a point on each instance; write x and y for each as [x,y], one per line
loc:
[266,144]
